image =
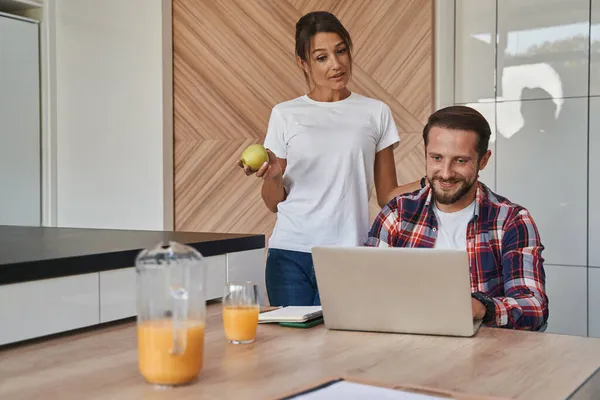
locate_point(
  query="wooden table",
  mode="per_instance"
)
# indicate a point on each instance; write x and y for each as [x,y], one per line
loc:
[101,363]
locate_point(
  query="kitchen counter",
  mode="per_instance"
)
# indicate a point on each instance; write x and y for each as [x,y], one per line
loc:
[54,280]
[34,253]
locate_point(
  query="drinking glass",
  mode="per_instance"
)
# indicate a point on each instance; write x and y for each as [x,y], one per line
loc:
[240,312]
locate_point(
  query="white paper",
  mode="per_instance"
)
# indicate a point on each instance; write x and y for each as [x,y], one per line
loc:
[357,391]
[290,313]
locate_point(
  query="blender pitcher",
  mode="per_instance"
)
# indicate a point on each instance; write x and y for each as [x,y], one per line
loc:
[171,308]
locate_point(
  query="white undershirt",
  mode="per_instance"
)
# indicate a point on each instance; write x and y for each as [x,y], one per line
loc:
[452,227]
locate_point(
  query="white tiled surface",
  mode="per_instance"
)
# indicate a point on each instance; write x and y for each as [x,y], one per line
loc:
[474,50]
[117,294]
[443,53]
[248,266]
[488,110]
[594,183]
[38,308]
[594,302]
[542,49]
[542,165]
[595,59]
[566,288]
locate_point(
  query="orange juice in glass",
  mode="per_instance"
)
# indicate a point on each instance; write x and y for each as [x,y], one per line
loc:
[240,312]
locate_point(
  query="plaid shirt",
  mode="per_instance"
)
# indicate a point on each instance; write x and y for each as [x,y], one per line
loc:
[503,244]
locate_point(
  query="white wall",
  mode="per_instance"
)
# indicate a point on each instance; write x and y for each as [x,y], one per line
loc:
[109,114]
[525,65]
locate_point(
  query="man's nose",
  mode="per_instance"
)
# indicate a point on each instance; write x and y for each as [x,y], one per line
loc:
[446,170]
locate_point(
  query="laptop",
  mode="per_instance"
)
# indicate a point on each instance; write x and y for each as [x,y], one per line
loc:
[397,290]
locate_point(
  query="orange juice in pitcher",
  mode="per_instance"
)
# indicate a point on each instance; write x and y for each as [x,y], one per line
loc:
[171,314]
[158,362]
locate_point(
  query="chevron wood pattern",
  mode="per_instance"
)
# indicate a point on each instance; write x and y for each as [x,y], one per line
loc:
[234,60]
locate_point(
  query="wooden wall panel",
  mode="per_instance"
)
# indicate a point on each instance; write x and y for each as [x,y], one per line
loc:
[234,60]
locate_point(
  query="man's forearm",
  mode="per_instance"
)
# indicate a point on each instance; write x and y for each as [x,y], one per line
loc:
[525,304]
[523,311]
[273,193]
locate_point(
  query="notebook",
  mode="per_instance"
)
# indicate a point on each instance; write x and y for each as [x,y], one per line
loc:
[291,314]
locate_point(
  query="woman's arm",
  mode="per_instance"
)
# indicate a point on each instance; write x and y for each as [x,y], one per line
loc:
[386,182]
[273,191]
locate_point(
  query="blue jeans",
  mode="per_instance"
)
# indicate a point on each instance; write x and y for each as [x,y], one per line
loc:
[290,279]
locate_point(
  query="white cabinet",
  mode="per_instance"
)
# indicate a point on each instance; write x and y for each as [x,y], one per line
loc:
[216,276]
[248,265]
[39,308]
[117,294]
[20,180]
[32,309]
[118,287]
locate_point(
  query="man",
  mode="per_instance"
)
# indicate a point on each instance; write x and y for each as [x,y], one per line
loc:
[458,212]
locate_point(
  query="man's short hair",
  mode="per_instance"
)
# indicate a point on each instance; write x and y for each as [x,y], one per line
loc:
[461,118]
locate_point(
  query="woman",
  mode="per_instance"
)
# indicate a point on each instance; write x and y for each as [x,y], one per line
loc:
[326,150]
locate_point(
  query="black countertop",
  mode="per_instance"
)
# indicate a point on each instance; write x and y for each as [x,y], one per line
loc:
[33,253]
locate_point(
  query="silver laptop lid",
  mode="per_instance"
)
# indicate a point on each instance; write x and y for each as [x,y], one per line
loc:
[405,290]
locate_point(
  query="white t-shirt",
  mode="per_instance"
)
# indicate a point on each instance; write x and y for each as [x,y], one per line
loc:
[452,227]
[330,151]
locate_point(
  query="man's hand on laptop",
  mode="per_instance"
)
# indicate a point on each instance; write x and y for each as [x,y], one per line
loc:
[478,309]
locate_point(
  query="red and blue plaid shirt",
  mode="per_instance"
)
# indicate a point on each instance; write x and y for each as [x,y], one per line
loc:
[503,244]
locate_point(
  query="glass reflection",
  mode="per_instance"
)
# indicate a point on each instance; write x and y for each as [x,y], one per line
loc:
[542,44]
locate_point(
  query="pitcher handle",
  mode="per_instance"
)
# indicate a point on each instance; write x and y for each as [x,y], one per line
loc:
[180,314]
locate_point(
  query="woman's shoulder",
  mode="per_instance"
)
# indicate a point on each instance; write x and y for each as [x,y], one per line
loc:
[289,104]
[369,101]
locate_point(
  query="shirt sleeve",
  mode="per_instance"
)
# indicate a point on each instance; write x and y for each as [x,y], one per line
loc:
[384,231]
[388,132]
[275,139]
[525,304]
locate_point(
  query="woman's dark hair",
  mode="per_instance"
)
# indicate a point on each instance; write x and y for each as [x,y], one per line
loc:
[461,118]
[313,23]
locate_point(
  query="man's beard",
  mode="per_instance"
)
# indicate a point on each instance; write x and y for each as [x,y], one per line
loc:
[450,197]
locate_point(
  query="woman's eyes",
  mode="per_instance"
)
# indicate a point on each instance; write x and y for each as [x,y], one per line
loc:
[340,52]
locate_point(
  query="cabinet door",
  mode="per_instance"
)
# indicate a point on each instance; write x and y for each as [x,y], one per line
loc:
[118,288]
[20,202]
[117,294]
[248,266]
[33,309]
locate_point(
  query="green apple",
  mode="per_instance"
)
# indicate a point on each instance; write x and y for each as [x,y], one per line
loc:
[254,157]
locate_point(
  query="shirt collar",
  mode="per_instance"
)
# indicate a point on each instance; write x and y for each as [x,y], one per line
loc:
[480,199]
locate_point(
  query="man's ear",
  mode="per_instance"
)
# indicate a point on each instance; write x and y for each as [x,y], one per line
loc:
[484,160]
